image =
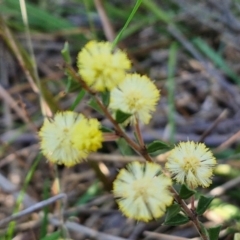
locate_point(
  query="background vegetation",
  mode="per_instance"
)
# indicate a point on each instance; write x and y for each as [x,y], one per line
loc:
[191,50]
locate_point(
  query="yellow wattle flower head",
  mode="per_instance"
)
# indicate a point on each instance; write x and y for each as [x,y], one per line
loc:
[101,67]
[58,140]
[136,95]
[90,137]
[141,191]
[191,163]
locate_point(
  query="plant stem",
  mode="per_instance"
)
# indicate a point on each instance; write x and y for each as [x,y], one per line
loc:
[119,131]
[192,216]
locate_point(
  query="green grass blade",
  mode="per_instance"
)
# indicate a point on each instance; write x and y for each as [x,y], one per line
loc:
[11,227]
[44,223]
[216,59]
[78,99]
[171,89]
[38,18]
[118,37]
[157,11]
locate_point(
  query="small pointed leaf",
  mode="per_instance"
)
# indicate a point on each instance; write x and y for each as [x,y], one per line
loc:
[124,147]
[172,211]
[66,53]
[92,103]
[106,129]
[156,146]
[214,232]
[203,204]
[105,98]
[78,99]
[122,116]
[177,220]
[186,192]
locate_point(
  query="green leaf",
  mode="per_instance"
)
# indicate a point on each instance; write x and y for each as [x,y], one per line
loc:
[66,53]
[156,146]
[236,236]
[52,236]
[105,98]
[186,192]
[172,211]
[177,220]
[214,232]
[122,116]
[106,129]
[78,99]
[92,103]
[124,147]
[203,204]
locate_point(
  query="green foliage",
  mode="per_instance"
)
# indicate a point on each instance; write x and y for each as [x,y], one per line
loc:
[203,204]
[186,192]
[124,147]
[172,211]
[105,98]
[122,116]
[78,99]
[44,223]
[216,59]
[66,53]
[156,146]
[178,219]
[213,232]
[92,103]
[52,236]
[91,192]
[38,18]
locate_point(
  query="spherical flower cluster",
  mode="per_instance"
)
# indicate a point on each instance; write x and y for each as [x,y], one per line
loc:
[191,163]
[142,191]
[101,67]
[69,137]
[136,95]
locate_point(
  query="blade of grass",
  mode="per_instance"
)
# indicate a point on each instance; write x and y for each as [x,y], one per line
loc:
[26,65]
[171,89]
[44,223]
[216,59]
[78,99]
[11,226]
[38,18]
[157,11]
[135,8]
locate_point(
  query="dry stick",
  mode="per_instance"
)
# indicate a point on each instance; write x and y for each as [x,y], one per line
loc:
[214,124]
[90,233]
[107,26]
[13,104]
[139,134]
[33,208]
[161,236]
[228,142]
[11,43]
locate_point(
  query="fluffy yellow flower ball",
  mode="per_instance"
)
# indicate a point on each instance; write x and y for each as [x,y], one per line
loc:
[60,142]
[191,163]
[101,67]
[136,95]
[142,192]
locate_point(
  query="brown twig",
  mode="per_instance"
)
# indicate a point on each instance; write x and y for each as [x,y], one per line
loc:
[192,216]
[107,26]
